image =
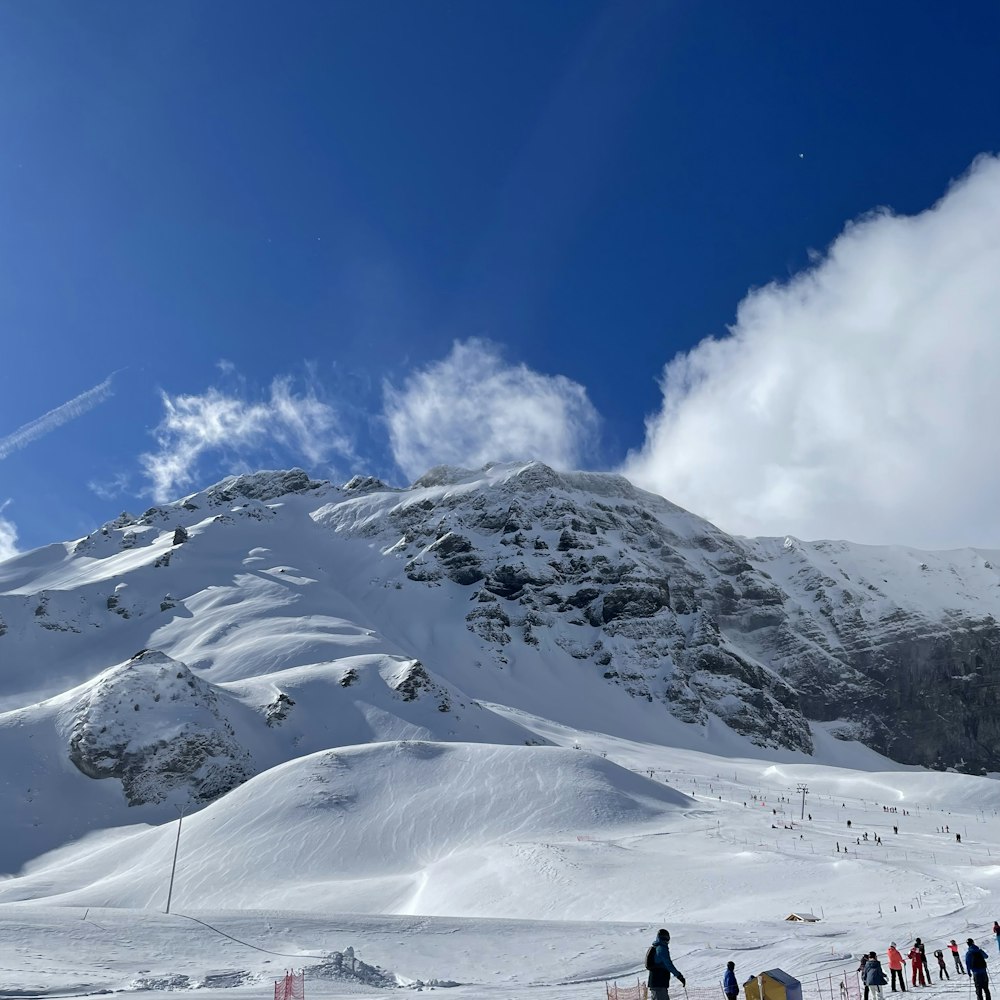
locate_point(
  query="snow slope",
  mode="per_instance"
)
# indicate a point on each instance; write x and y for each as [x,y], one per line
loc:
[519,872]
[403,827]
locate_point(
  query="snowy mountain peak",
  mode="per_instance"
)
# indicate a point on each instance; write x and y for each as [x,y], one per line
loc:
[283,615]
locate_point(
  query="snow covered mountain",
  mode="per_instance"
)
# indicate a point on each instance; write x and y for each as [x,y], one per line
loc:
[178,653]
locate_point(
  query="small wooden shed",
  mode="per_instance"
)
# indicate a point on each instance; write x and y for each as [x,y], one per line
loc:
[775,984]
[807,918]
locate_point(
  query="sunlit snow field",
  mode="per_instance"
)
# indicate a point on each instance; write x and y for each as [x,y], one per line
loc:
[514,872]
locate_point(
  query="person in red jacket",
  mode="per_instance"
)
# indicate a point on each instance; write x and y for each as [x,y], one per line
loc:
[953,947]
[916,965]
[896,962]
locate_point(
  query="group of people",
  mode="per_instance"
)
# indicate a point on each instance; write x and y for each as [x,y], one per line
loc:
[920,973]
[661,967]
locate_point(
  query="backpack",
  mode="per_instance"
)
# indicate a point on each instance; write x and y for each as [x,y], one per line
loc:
[651,959]
[977,960]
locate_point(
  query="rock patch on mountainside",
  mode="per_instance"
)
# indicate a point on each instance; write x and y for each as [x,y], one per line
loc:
[158,728]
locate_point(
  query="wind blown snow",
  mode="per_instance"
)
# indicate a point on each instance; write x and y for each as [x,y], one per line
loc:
[856,400]
[472,408]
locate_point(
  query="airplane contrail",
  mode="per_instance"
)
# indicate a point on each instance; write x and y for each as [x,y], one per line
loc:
[70,410]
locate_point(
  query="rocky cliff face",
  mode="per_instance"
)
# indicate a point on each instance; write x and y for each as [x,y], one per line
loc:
[898,648]
[619,579]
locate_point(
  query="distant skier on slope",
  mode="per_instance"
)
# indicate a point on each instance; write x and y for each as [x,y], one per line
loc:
[660,966]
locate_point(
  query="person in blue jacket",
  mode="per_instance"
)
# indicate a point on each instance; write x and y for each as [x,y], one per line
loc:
[729,985]
[874,976]
[660,966]
[975,962]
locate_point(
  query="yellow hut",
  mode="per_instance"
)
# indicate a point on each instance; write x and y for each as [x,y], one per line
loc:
[775,984]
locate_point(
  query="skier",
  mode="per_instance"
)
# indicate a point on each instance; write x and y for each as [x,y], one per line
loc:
[953,948]
[916,965]
[660,966]
[996,933]
[975,962]
[729,985]
[874,976]
[942,971]
[896,962]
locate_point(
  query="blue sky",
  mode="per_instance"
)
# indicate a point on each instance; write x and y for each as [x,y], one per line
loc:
[370,237]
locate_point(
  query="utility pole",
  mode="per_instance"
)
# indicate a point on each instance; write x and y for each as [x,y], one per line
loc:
[177,845]
[803,789]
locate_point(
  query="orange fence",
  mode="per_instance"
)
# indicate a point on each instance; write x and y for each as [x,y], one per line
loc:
[638,992]
[291,987]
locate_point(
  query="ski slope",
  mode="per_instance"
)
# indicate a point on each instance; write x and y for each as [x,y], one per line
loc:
[513,870]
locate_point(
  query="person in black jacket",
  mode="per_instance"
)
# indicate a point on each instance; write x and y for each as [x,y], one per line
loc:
[660,966]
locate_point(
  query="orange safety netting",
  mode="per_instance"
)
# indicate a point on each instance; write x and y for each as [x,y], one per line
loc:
[291,987]
[638,992]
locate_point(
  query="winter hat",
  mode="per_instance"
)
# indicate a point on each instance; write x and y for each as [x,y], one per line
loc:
[970,942]
[663,933]
[892,944]
[730,965]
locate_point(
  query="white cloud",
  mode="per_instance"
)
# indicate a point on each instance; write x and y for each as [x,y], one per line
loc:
[110,488]
[472,408]
[8,535]
[55,418]
[858,400]
[235,430]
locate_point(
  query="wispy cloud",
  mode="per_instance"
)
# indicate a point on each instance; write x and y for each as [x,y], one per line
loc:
[110,488]
[235,430]
[859,399]
[50,421]
[472,408]
[8,534]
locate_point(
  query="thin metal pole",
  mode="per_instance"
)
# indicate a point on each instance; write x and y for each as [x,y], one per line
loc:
[177,846]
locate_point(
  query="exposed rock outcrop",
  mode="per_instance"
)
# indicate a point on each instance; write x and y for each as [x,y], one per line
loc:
[158,728]
[763,633]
